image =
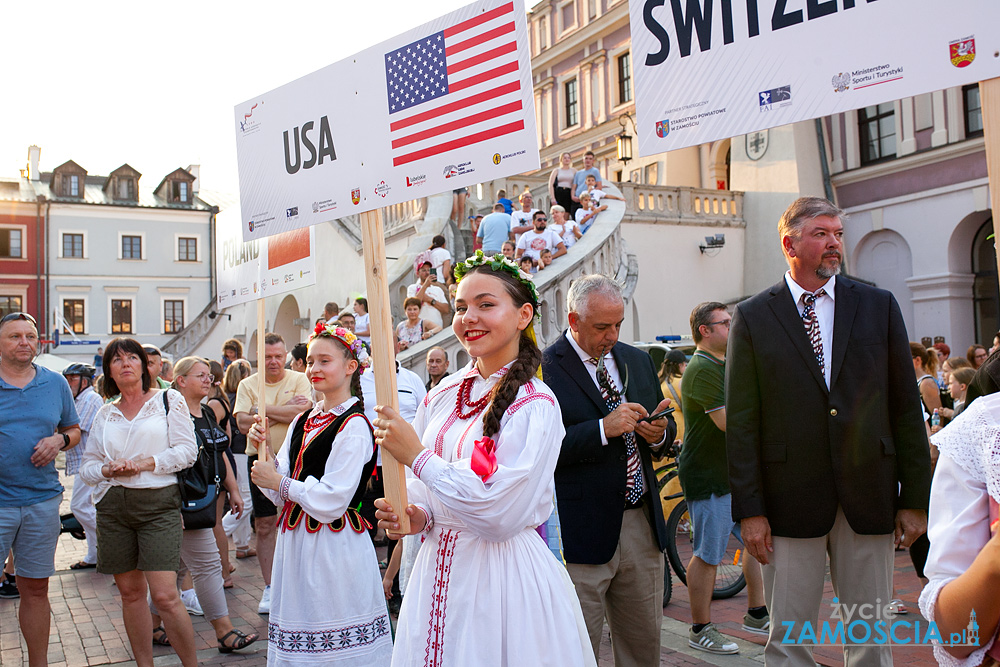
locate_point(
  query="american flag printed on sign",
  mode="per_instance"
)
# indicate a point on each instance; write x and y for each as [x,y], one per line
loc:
[454,88]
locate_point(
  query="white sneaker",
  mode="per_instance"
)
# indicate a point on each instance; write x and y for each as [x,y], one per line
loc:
[190,600]
[265,601]
[711,641]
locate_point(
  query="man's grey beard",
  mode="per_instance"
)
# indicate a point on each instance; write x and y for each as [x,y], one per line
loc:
[828,272]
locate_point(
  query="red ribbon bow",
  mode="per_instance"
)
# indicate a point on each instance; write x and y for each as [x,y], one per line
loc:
[484,461]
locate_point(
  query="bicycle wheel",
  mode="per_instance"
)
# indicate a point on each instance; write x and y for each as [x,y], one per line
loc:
[729,579]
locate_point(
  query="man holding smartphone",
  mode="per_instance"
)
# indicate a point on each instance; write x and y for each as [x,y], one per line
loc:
[704,475]
[611,517]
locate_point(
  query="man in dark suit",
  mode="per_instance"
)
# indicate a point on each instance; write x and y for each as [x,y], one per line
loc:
[828,453]
[612,522]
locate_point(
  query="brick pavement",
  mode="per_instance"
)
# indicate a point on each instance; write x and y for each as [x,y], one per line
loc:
[728,616]
[87,627]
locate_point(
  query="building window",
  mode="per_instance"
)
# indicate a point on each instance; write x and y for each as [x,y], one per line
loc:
[121,316]
[71,185]
[187,249]
[73,315]
[126,188]
[973,110]
[10,243]
[568,16]
[878,132]
[572,104]
[179,191]
[625,78]
[543,34]
[131,247]
[73,245]
[11,304]
[592,8]
[173,316]
[985,295]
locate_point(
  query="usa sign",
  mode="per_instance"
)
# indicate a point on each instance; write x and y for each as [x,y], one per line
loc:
[438,108]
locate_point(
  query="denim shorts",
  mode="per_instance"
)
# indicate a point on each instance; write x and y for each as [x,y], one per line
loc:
[712,523]
[33,532]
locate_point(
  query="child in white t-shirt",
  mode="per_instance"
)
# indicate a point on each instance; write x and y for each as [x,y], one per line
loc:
[598,195]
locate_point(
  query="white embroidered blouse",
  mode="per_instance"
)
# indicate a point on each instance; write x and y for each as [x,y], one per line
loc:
[168,438]
[968,472]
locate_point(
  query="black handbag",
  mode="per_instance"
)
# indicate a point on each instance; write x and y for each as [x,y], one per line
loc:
[199,484]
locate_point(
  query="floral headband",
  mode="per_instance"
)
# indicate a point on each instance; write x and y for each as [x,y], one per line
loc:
[350,341]
[498,263]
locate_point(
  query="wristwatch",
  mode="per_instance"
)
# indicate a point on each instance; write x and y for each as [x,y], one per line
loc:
[65,442]
[433,301]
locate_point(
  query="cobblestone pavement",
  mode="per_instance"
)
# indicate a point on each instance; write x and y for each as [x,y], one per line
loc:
[87,627]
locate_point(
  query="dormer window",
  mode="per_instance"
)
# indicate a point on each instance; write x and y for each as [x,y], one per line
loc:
[123,184]
[126,188]
[68,180]
[179,192]
[177,187]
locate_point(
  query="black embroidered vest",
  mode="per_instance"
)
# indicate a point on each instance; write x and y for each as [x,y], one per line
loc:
[310,460]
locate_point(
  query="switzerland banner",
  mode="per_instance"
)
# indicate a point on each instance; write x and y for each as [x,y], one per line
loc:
[440,107]
[712,69]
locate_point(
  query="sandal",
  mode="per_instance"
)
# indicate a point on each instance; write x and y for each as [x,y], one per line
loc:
[82,566]
[241,641]
[896,606]
[160,637]
[245,553]
[227,583]
[232,568]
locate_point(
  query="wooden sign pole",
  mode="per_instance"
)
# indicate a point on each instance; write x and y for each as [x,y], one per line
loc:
[262,454]
[383,353]
[989,96]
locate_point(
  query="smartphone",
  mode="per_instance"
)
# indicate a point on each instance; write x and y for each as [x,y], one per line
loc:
[658,415]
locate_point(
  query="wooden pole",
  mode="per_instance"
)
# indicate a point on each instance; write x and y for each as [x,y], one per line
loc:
[383,354]
[989,96]
[262,453]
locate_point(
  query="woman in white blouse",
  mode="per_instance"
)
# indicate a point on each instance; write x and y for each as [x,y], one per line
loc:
[135,451]
[963,564]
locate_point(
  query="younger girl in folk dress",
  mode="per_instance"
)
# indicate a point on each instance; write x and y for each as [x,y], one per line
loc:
[327,603]
[485,589]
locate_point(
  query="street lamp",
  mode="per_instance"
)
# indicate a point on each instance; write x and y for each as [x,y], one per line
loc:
[624,139]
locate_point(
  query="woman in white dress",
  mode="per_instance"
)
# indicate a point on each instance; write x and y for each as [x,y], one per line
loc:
[963,564]
[485,589]
[327,604]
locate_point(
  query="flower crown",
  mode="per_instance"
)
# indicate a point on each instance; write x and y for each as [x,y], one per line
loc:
[350,341]
[498,263]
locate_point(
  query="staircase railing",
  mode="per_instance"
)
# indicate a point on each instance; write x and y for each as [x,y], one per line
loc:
[601,250]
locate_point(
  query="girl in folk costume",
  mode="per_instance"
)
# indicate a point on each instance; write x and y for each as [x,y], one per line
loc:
[485,589]
[327,601]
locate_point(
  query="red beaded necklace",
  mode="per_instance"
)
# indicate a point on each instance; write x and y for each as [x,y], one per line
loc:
[464,399]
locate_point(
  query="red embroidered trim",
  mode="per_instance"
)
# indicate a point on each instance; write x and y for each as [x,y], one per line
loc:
[520,403]
[434,653]
[421,460]
[461,441]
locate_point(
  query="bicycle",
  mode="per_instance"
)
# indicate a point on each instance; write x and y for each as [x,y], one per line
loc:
[729,579]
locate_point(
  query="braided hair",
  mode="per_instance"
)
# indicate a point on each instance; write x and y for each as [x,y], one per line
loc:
[529,357]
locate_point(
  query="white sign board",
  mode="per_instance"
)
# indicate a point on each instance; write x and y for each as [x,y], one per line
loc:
[714,69]
[440,107]
[250,270]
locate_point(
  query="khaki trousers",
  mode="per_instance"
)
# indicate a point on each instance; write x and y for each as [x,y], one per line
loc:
[861,572]
[628,591]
